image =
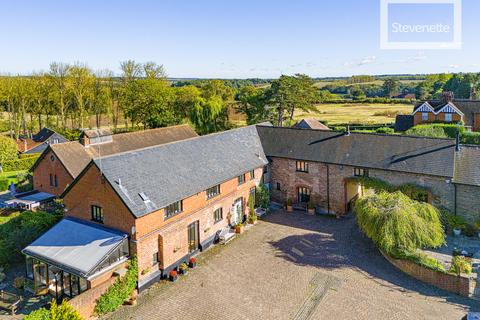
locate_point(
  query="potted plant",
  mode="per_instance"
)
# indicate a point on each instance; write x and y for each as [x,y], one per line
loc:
[457,224]
[311,207]
[252,218]
[192,263]
[183,268]
[239,228]
[173,275]
[289,205]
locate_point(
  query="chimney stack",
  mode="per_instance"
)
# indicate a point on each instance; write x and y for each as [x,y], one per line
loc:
[447,96]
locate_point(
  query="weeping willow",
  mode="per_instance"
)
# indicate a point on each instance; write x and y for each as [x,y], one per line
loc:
[396,223]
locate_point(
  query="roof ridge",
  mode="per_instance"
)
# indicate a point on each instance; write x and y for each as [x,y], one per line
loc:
[172,142]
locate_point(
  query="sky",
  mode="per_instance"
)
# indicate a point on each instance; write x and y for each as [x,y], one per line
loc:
[227,38]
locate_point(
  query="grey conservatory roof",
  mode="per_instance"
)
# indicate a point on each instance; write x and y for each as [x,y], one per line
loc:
[75,246]
[153,178]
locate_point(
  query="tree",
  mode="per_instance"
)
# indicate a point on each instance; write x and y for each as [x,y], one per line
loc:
[80,84]
[252,103]
[8,149]
[58,76]
[290,92]
[390,87]
[398,224]
[205,114]
[185,99]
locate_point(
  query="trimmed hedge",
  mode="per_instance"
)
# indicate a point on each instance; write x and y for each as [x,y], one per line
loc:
[119,291]
[470,137]
[436,130]
[24,163]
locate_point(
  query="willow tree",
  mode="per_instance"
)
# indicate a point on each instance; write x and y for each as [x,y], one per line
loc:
[206,113]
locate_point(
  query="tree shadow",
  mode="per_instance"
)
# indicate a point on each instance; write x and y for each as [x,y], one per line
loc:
[339,243]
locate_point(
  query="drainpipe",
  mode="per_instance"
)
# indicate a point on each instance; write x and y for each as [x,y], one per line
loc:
[455,198]
[328,189]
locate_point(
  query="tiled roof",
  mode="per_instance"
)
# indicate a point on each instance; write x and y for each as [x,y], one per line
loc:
[403,122]
[43,135]
[75,156]
[310,123]
[467,168]
[171,172]
[94,133]
[388,152]
[467,107]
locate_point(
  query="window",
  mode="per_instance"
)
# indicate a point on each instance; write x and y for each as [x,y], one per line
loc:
[241,179]
[218,215]
[52,158]
[173,209]
[448,117]
[424,116]
[51,180]
[302,166]
[278,186]
[155,258]
[97,214]
[252,174]
[213,191]
[55,141]
[29,268]
[56,181]
[358,172]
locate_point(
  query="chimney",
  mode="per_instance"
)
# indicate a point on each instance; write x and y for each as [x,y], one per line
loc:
[447,96]
[457,141]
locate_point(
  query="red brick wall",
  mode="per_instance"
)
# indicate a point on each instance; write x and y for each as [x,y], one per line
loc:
[41,175]
[449,282]
[417,118]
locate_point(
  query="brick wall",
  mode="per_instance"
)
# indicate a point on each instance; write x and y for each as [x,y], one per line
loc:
[283,171]
[50,165]
[417,118]
[449,282]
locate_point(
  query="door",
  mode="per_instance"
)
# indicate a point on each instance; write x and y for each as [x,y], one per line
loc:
[303,195]
[237,212]
[193,236]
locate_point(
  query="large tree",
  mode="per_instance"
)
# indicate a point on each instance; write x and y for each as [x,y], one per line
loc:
[80,84]
[391,87]
[58,76]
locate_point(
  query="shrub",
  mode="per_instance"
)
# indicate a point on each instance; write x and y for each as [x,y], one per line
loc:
[470,137]
[119,291]
[3,183]
[8,149]
[63,311]
[385,130]
[451,221]
[19,164]
[436,130]
[262,196]
[460,265]
[413,191]
[289,202]
[20,231]
[397,223]
[421,259]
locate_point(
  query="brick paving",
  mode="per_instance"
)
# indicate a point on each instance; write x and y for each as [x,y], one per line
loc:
[293,266]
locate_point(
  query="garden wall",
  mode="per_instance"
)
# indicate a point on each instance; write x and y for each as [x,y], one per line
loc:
[448,282]
[85,302]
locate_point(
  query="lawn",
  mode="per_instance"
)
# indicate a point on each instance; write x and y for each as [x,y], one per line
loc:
[356,113]
[12,175]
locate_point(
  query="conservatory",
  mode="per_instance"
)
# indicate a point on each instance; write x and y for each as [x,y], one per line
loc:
[65,261]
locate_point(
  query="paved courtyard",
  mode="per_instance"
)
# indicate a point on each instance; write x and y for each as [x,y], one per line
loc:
[293,266]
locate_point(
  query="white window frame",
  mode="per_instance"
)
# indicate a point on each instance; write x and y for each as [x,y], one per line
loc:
[448,117]
[424,116]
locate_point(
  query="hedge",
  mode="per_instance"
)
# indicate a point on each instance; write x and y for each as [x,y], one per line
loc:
[436,130]
[119,291]
[470,137]
[25,163]
[64,311]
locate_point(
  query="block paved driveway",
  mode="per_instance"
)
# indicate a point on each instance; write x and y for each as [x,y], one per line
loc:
[293,266]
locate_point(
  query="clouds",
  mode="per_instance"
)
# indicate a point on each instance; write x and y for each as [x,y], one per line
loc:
[360,62]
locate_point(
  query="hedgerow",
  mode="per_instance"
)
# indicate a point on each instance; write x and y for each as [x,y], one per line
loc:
[398,224]
[19,164]
[119,291]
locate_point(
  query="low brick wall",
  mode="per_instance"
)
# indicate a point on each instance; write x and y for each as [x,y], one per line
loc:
[85,302]
[448,282]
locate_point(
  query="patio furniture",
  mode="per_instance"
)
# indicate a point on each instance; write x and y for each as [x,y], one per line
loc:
[226,235]
[260,212]
[9,301]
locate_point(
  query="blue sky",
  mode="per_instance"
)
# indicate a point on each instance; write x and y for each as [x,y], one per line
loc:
[221,38]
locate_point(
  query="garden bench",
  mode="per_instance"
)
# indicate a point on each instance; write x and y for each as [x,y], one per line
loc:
[9,301]
[226,235]
[260,212]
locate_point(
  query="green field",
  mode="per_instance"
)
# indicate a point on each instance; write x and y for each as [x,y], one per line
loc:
[356,113]
[321,84]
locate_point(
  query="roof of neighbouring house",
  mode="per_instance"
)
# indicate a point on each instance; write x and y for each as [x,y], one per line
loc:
[310,123]
[171,172]
[75,246]
[95,133]
[388,152]
[25,144]
[403,122]
[75,157]
[467,169]
[467,107]
[43,135]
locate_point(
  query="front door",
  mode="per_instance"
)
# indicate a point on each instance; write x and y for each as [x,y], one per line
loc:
[237,212]
[303,195]
[193,236]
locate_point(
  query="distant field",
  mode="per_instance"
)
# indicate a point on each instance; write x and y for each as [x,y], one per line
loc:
[321,84]
[356,113]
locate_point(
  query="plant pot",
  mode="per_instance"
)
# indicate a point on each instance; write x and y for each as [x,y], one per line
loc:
[192,264]
[457,232]
[239,229]
[311,211]
[289,208]
[173,278]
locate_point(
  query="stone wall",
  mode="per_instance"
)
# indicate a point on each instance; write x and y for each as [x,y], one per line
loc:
[448,282]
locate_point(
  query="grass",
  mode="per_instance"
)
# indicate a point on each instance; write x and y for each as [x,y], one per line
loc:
[321,84]
[12,175]
[335,114]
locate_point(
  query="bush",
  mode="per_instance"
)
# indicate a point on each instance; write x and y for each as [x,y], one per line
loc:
[397,223]
[460,265]
[3,183]
[451,221]
[413,191]
[8,149]
[119,291]
[470,138]
[421,259]
[19,164]
[20,231]
[386,130]
[63,311]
